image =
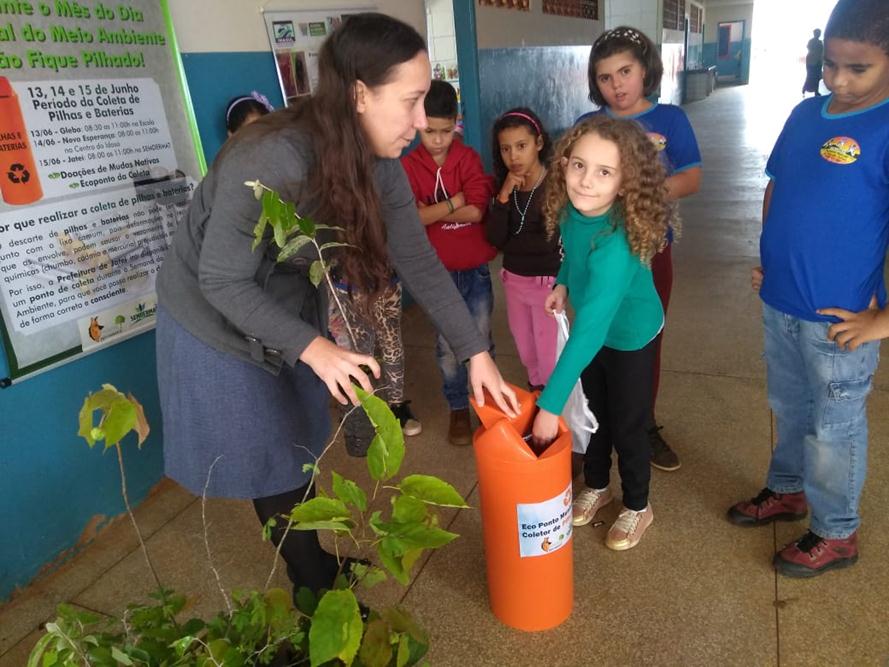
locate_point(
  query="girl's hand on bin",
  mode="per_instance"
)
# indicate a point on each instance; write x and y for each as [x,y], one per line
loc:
[555,302]
[483,374]
[338,367]
[545,429]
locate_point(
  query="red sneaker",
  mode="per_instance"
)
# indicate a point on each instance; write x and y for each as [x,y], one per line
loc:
[767,507]
[812,555]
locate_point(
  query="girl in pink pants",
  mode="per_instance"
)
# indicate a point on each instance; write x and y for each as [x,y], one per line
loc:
[514,225]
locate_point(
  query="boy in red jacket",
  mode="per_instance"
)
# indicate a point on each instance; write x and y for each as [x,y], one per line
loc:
[452,193]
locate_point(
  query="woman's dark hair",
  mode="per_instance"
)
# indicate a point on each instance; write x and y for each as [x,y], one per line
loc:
[619,40]
[518,117]
[860,21]
[241,107]
[441,100]
[366,47]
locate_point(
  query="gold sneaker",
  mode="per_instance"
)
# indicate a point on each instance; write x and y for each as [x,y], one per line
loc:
[628,529]
[587,503]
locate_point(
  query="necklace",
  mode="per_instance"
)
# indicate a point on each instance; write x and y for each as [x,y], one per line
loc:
[524,212]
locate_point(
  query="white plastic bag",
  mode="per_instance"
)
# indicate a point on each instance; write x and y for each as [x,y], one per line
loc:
[577,414]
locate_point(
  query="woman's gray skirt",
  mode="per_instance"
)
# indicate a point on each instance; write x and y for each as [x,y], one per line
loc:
[264,427]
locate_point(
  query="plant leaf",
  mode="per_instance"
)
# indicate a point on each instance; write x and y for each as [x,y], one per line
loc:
[349,492]
[376,650]
[292,247]
[142,428]
[431,490]
[119,420]
[386,451]
[316,273]
[321,509]
[404,652]
[408,510]
[306,226]
[259,230]
[336,526]
[336,628]
[333,244]
[306,601]
[121,657]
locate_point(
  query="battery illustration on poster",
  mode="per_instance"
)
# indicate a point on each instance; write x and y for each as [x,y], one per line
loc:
[98,161]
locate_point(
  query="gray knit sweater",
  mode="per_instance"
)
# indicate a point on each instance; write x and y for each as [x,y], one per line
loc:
[220,290]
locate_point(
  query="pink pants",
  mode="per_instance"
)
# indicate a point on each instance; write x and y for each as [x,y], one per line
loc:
[532,328]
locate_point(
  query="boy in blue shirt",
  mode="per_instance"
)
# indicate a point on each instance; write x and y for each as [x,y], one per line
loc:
[823,247]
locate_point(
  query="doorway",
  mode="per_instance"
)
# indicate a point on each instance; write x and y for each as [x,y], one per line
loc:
[730,51]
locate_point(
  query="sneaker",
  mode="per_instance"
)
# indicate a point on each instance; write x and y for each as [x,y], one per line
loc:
[767,507]
[587,503]
[812,555]
[410,425]
[460,431]
[629,528]
[662,457]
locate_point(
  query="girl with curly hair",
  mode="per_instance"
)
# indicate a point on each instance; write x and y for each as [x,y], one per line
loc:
[606,194]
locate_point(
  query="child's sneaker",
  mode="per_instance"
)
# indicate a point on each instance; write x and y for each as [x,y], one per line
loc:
[767,507]
[587,503]
[662,455]
[629,528]
[812,555]
[410,425]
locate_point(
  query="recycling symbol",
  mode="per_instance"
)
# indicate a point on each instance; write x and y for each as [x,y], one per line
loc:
[18,174]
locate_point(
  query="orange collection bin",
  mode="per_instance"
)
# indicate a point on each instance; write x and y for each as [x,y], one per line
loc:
[526,517]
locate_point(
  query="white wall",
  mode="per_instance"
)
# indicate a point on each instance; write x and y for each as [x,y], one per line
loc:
[498,28]
[643,15]
[716,14]
[237,25]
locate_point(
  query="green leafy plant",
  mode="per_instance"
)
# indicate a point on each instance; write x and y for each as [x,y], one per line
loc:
[269,627]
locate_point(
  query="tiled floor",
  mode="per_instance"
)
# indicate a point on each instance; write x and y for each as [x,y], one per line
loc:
[697,591]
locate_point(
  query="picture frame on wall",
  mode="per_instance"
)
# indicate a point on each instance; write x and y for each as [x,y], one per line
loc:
[579,9]
[521,5]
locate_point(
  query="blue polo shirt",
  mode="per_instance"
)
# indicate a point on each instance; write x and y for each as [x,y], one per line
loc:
[668,127]
[825,236]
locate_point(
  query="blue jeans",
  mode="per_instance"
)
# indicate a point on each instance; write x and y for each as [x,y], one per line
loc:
[474,286]
[818,393]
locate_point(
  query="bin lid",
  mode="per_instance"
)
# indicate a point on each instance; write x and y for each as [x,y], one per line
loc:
[490,414]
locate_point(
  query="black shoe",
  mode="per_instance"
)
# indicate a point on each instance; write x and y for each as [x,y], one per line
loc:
[662,457]
[410,425]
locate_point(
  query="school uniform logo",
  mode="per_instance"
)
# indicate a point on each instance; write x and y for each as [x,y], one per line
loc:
[841,150]
[659,141]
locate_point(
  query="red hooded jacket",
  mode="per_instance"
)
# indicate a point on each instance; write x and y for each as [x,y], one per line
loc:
[460,245]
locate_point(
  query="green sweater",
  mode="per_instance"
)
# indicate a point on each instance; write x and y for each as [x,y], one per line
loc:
[613,296]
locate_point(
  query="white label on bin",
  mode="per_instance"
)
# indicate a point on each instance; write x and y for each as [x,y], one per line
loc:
[546,526]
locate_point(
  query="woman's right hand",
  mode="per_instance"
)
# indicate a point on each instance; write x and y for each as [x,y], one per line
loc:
[337,367]
[510,183]
[555,302]
[756,276]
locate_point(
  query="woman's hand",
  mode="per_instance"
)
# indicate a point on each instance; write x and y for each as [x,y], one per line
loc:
[337,367]
[545,429]
[555,302]
[510,183]
[483,374]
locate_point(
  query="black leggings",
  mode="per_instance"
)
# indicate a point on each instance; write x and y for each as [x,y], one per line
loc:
[307,563]
[618,387]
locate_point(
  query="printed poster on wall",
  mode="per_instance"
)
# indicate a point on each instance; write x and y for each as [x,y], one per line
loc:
[296,38]
[97,162]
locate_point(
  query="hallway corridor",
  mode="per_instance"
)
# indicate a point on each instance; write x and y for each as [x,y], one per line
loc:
[696,591]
